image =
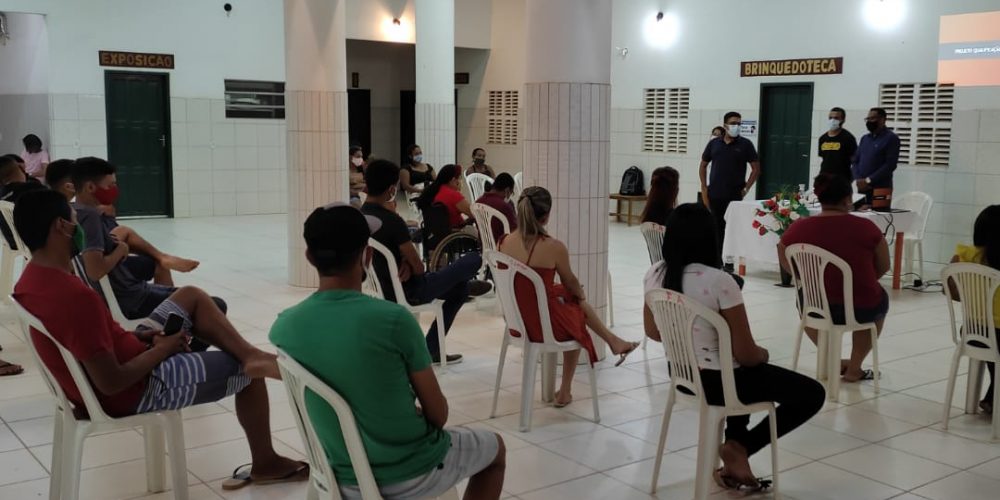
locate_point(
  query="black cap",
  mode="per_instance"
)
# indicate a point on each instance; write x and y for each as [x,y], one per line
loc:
[337,230]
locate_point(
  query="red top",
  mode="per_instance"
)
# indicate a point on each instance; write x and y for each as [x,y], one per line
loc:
[450,198]
[851,238]
[78,319]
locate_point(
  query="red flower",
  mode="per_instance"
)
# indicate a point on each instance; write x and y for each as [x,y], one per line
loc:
[756,224]
[770,204]
[784,212]
[762,230]
[761,213]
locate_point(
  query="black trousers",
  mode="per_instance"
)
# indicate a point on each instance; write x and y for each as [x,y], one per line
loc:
[797,396]
[718,208]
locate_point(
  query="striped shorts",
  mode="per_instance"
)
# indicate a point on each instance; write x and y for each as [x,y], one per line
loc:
[189,378]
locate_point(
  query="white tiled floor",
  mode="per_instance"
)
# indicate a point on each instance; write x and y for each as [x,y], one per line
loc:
[871,446]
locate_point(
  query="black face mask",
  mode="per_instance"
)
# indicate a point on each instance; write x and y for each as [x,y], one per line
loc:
[871,126]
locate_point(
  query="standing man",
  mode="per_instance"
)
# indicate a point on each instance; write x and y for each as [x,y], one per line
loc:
[877,156]
[729,156]
[837,146]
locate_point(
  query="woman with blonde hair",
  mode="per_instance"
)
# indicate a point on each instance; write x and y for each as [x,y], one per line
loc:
[568,308]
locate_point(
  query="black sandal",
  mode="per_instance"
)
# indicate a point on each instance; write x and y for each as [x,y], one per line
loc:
[731,483]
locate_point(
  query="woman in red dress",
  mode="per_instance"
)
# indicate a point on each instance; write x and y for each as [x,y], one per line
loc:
[570,313]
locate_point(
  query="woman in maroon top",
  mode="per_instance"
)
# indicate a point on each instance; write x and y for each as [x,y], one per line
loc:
[859,242]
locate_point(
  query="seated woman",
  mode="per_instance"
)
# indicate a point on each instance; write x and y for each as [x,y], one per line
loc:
[691,266]
[356,174]
[662,197]
[859,242]
[414,174]
[571,314]
[447,190]
[985,250]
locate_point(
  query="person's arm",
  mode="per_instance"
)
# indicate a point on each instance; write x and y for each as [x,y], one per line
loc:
[433,404]
[703,176]
[465,207]
[411,259]
[745,350]
[99,265]
[891,160]
[404,182]
[881,258]
[649,324]
[952,286]
[110,377]
[754,174]
[782,259]
[566,276]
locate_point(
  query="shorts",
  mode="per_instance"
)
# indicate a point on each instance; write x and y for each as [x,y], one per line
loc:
[140,266]
[189,378]
[861,314]
[142,305]
[471,451]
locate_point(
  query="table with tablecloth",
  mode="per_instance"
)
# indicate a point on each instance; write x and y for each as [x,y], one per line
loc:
[743,240]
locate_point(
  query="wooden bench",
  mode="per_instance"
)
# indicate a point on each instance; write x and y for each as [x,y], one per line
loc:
[628,200]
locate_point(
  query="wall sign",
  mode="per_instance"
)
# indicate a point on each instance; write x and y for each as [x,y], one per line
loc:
[748,128]
[135,59]
[791,67]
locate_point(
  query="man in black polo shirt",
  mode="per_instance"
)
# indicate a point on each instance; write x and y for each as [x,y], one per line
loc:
[729,156]
[837,146]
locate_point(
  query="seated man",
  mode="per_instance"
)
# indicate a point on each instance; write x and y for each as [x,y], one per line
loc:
[452,284]
[374,357]
[103,251]
[145,262]
[143,371]
[20,164]
[498,198]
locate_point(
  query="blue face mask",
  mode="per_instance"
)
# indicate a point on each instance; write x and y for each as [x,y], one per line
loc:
[418,159]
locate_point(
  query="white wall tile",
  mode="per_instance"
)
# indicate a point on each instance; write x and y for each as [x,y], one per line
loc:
[98,151]
[65,107]
[200,158]
[178,109]
[223,158]
[223,134]
[247,203]
[92,107]
[93,133]
[198,111]
[271,203]
[247,182]
[247,158]
[65,133]
[218,113]
[989,125]
[179,159]
[182,205]
[178,134]
[201,205]
[224,181]
[199,182]
[199,133]
[988,158]
[224,204]
[987,189]
[246,134]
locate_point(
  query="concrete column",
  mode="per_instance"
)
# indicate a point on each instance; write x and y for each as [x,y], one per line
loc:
[435,77]
[566,141]
[316,118]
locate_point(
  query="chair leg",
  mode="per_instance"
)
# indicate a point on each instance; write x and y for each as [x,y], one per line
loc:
[798,345]
[72,462]
[6,272]
[908,257]
[662,443]
[503,359]
[155,463]
[833,350]
[611,303]
[996,415]
[528,374]
[708,438]
[442,333]
[593,393]
[920,257]
[174,430]
[773,424]
[949,392]
[55,469]
[875,368]
[312,492]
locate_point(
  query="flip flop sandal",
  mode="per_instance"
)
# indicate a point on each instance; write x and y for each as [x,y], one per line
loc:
[5,365]
[562,405]
[867,375]
[241,477]
[731,483]
[622,356]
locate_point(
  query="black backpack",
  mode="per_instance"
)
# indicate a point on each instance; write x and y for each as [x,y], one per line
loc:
[632,182]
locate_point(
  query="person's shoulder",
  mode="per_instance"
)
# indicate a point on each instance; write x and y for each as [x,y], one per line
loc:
[847,134]
[969,253]
[58,285]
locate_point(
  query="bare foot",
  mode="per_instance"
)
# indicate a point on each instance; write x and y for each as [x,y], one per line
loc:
[262,366]
[855,375]
[178,264]
[562,399]
[844,363]
[735,463]
[623,346]
[280,467]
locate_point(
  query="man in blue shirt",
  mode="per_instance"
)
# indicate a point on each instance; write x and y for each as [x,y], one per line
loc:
[729,156]
[877,156]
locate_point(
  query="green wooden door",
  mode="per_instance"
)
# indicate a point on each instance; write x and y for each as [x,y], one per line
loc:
[785,136]
[138,115]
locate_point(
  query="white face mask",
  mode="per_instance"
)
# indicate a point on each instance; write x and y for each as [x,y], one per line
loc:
[357,162]
[734,130]
[418,158]
[834,124]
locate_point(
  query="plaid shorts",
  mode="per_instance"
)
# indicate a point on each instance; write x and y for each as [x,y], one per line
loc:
[189,378]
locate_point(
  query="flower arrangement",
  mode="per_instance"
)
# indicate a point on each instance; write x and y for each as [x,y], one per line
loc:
[784,208]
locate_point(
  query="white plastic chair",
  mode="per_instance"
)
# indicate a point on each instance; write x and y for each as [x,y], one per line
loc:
[810,263]
[485,215]
[505,268]
[920,204]
[69,433]
[8,255]
[675,314]
[518,184]
[611,302]
[373,287]
[107,293]
[477,185]
[977,285]
[653,234]
[322,483]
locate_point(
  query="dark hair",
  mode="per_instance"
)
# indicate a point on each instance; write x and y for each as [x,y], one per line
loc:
[502,182]
[353,149]
[478,149]
[880,112]
[721,129]
[986,234]
[831,188]
[409,153]
[444,176]
[663,189]
[838,109]
[13,157]
[32,143]
[34,213]
[380,176]
[690,238]
[731,114]
[90,169]
[8,167]
[58,171]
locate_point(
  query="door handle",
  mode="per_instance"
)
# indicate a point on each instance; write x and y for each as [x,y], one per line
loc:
[163,140]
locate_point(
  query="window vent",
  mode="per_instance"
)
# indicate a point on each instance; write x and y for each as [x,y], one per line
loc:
[255,99]
[502,117]
[665,120]
[921,114]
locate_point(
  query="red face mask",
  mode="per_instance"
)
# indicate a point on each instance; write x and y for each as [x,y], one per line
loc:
[106,196]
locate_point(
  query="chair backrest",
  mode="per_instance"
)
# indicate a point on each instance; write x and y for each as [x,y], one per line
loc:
[977,287]
[436,225]
[809,265]
[297,379]
[477,184]
[653,233]
[505,269]
[675,314]
[372,286]
[485,215]
[920,204]
[7,212]
[102,287]
[93,406]
[518,184]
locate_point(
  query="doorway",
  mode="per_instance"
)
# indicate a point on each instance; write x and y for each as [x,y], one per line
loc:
[407,123]
[785,136]
[359,119]
[138,116]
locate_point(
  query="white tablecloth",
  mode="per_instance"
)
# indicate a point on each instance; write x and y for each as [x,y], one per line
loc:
[742,240]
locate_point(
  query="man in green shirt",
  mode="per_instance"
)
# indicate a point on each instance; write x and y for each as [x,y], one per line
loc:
[372,352]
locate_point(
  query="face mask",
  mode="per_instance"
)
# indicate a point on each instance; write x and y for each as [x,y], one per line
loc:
[106,196]
[479,161]
[418,159]
[78,240]
[734,130]
[357,162]
[871,126]
[834,124]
